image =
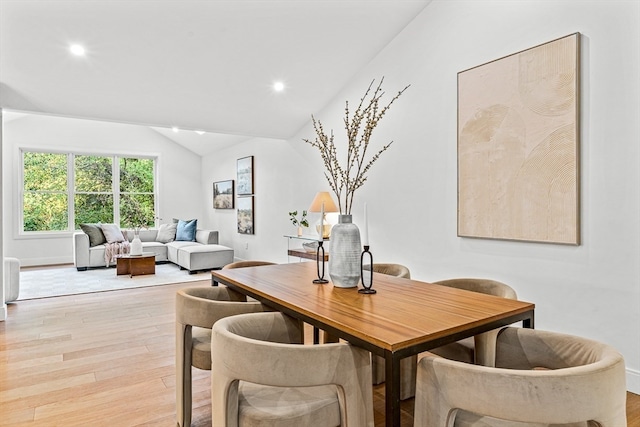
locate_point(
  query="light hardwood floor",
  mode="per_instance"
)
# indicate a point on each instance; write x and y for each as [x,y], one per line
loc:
[107,359]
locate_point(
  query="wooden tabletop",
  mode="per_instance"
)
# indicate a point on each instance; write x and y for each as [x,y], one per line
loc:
[402,314]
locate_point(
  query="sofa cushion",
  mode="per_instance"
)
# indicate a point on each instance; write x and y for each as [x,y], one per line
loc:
[112,233]
[167,233]
[96,236]
[186,230]
[173,247]
[204,257]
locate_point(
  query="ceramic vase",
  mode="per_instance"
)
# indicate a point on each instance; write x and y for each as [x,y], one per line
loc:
[136,245]
[344,255]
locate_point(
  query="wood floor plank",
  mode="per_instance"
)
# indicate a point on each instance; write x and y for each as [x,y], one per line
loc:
[108,359]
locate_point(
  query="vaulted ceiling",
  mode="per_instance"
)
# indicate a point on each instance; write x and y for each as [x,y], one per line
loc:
[204,65]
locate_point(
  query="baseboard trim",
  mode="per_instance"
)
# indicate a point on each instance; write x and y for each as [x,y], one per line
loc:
[40,262]
[633,381]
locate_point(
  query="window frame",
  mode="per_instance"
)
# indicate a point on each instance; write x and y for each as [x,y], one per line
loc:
[71,192]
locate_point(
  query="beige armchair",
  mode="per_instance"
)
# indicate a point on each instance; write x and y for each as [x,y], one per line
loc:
[479,349]
[241,264]
[263,375]
[540,377]
[396,270]
[407,365]
[197,309]
[250,263]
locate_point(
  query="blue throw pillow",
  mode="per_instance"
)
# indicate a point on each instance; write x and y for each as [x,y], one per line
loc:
[186,230]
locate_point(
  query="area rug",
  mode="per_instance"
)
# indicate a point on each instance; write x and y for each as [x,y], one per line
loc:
[57,281]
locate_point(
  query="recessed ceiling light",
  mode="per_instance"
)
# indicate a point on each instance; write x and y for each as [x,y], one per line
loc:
[77,50]
[278,86]
[199,132]
[175,129]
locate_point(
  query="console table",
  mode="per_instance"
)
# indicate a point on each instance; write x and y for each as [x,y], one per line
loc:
[295,249]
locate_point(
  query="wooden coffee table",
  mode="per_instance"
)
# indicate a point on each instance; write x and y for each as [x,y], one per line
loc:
[136,265]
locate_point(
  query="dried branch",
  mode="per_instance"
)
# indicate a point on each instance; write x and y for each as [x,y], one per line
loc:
[345,180]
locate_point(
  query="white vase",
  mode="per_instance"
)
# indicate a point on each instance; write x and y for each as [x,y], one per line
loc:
[344,253]
[136,246]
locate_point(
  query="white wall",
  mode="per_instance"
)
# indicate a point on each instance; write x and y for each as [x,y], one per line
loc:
[592,290]
[3,306]
[178,173]
[282,183]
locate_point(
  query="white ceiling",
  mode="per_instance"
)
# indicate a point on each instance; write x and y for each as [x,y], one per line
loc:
[195,64]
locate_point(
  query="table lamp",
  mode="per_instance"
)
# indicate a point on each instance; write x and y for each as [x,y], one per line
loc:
[323,203]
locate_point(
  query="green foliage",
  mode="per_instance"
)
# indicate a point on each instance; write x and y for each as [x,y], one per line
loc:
[46,199]
[136,175]
[137,211]
[93,208]
[45,196]
[93,174]
[137,205]
[44,212]
[45,172]
[301,222]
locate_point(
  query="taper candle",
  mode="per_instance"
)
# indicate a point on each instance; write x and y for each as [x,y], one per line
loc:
[322,222]
[365,231]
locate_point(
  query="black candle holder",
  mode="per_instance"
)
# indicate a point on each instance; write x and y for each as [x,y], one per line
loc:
[367,289]
[320,261]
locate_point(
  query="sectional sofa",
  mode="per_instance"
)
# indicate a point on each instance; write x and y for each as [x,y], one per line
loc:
[202,254]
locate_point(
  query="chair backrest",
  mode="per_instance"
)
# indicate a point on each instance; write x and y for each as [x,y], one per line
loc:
[266,349]
[484,352]
[241,264]
[397,270]
[203,306]
[483,286]
[543,377]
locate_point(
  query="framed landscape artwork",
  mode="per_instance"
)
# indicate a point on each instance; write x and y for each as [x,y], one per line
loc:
[518,146]
[245,175]
[245,215]
[223,194]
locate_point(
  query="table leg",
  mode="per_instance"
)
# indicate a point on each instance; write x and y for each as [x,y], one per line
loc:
[530,322]
[392,389]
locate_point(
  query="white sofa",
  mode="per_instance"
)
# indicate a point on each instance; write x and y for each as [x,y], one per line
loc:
[203,254]
[11,279]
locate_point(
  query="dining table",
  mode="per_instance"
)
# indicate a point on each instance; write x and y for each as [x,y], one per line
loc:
[403,318]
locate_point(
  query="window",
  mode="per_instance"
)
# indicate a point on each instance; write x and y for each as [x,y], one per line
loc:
[63,190]
[137,199]
[93,196]
[45,201]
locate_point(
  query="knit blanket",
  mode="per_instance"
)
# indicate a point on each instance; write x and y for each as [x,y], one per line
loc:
[114,249]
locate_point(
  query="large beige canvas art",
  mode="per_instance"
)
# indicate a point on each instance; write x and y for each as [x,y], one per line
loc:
[518,146]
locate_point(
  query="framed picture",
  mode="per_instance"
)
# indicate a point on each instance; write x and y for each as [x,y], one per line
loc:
[245,175]
[245,215]
[518,145]
[223,194]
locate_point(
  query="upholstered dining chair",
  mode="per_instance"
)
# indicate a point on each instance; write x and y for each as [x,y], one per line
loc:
[248,263]
[479,349]
[407,365]
[242,264]
[541,378]
[396,270]
[197,309]
[263,375]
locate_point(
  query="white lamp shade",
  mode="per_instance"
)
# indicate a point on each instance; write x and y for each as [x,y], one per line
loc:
[323,197]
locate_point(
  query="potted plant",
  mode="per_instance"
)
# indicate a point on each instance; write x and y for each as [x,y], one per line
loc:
[302,222]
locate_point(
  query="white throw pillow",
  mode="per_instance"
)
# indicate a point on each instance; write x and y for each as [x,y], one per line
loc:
[167,233]
[112,233]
